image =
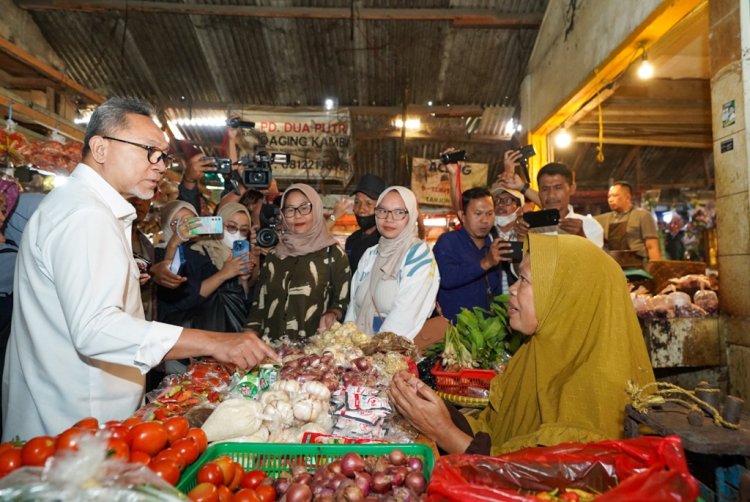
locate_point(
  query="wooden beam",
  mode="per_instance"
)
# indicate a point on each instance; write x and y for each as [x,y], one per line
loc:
[379,134]
[27,109]
[668,141]
[48,71]
[475,18]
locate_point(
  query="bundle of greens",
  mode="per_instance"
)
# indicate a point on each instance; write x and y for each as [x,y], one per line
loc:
[479,339]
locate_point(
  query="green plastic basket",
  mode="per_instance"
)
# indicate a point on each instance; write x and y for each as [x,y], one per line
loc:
[274,459]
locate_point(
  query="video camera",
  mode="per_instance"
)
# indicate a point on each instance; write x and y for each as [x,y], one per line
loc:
[257,172]
[270,222]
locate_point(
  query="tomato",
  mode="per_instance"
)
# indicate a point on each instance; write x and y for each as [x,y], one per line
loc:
[167,470]
[204,492]
[246,495]
[68,439]
[117,431]
[37,450]
[200,438]
[139,456]
[89,423]
[171,454]
[266,493]
[210,473]
[227,468]
[148,437]
[177,428]
[569,496]
[188,448]
[252,479]
[238,473]
[10,460]
[225,494]
[131,422]
[118,448]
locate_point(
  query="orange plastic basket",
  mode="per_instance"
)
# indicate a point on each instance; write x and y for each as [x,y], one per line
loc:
[466,382]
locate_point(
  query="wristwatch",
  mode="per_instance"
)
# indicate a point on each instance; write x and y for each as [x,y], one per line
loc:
[524,188]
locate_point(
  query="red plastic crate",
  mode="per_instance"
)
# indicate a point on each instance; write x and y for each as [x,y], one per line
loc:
[462,382]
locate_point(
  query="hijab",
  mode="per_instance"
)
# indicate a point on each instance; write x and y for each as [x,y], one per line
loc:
[214,247]
[167,214]
[567,383]
[391,254]
[291,244]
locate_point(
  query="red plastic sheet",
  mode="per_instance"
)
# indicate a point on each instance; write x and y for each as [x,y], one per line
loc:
[644,469]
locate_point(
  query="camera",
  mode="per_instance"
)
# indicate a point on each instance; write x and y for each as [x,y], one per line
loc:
[257,173]
[223,165]
[270,220]
[453,157]
[235,122]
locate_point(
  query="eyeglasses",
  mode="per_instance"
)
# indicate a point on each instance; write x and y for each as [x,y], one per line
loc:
[233,229]
[505,201]
[398,214]
[155,155]
[302,210]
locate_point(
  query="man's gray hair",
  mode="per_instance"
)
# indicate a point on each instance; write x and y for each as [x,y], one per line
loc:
[111,116]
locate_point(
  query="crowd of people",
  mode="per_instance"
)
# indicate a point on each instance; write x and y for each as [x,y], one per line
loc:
[96,306]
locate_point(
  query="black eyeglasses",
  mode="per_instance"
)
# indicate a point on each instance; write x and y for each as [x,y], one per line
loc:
[382,213]
[155,155]
[303,210]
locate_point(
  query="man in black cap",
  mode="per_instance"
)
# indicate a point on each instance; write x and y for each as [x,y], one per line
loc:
[366,194]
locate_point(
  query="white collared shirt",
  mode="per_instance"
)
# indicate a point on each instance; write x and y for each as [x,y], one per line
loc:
[591,228]
[79,344]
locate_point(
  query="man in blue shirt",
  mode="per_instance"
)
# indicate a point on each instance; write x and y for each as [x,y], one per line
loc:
[469,259]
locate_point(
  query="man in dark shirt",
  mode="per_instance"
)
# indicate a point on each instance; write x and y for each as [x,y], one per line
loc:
[469,259]
[366,195]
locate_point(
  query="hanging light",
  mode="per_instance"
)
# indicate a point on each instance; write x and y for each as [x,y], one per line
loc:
[645,69]
[563,139]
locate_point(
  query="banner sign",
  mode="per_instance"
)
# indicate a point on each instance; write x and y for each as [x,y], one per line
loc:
[430,180]
[319,142]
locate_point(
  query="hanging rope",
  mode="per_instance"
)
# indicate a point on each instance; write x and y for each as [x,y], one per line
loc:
[600,146]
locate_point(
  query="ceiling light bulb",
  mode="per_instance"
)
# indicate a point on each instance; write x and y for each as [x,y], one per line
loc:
[645,70]
[329,104]
[563,139]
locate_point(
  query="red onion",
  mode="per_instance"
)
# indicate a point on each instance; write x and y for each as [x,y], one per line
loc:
[336,481]
[398,475]
[362,364]
[353,494]
[298,469]
[334,467]
[325,497]
[381,482]
[281,485]
[351,463]
[303,479]
[414,464]
[415,482]
[313,360]
[362,479]
[299,493]
[397,457]
[403,494]
[307,377]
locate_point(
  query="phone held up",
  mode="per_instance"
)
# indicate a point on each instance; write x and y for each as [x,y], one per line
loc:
[209,225]
[543,218]
[239,248]
[516,251]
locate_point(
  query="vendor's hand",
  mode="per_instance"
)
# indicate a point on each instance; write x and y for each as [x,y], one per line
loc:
[421,406]
[143,279]
[327,320]
[511,161]
[572,226]
[162,276]
[245,350]
[197,165]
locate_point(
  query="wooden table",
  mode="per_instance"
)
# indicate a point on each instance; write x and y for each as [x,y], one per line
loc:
[708,439]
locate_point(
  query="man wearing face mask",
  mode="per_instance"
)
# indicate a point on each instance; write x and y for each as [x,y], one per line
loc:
[508,207]
[366,194]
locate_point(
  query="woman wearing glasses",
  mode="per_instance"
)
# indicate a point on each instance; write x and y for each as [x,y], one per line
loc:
[217,292]
[397,280]
[304,280]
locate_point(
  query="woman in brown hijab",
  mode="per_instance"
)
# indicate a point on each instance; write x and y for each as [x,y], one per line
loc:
[304,281]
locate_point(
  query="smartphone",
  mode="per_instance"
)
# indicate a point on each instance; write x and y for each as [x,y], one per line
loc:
[527,151]
[516,254]
[178,261]
[223,165]
[209,225]
[239,248]
[544,218]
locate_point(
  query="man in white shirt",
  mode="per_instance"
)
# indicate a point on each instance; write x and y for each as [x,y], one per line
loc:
[79,344]
[556,185]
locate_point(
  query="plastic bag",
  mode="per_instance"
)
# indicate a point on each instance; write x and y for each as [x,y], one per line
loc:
[225,310]
[645,468]
[86,475]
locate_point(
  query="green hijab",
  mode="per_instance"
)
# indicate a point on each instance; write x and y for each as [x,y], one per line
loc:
[567,383]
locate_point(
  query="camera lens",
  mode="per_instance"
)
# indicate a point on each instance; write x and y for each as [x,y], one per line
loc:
[266,238]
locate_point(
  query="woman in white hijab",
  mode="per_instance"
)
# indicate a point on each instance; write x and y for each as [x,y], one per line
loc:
[395,285]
